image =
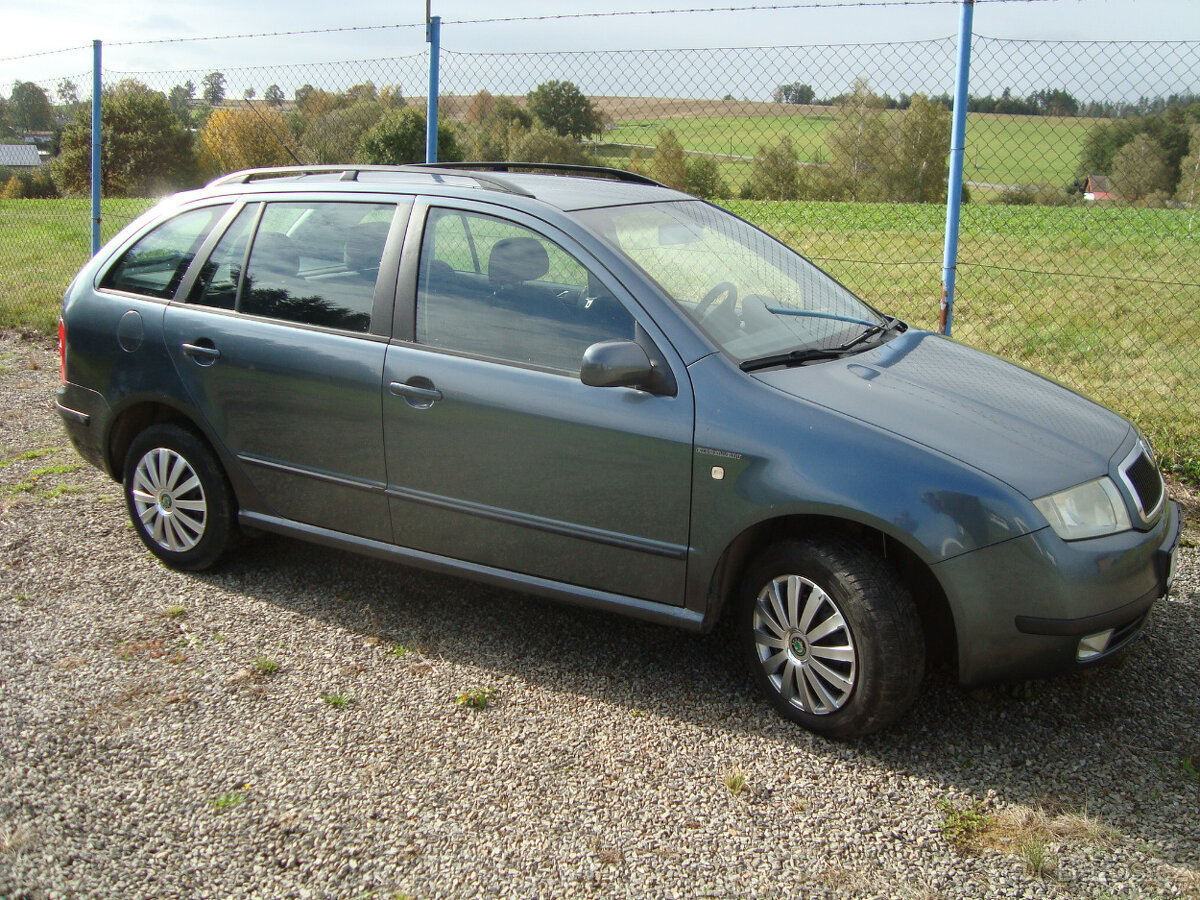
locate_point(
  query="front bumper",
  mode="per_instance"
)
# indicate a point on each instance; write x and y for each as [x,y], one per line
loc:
[1021,608]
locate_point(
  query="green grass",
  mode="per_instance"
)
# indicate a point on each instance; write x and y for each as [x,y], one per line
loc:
[43,243]
[963,826]
[476,698]
[1000,149]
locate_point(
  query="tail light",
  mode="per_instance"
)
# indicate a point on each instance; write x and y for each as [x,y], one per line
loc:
[62,351]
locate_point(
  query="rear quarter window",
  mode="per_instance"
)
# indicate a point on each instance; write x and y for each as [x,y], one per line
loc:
[155,265]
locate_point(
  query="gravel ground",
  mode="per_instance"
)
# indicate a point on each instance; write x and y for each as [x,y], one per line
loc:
[290,726]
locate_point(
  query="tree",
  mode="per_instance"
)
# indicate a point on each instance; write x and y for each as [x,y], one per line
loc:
[1140,169]
[482,105]
[1169,130]
[334,137]
[918,169]
[857,145]
[562,107]
[144,148]
[68,93]
[668,164]
[214,87]
[1055,102]
[29,108]
[775,173]
[273,95]
[180,98]
[1188,190]
[801,94]
[399,139]
[542,146]
[704,179]
[249,93]
[359,92]
[235,139]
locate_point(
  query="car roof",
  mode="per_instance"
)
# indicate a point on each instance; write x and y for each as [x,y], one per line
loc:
[568,188]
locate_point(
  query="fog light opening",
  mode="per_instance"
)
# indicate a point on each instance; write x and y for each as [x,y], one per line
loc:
[1093,645]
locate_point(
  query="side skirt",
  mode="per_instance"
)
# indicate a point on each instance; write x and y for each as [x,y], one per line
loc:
[675,616]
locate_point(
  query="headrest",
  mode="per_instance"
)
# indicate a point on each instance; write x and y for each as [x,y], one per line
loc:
[515,260]
[364,245]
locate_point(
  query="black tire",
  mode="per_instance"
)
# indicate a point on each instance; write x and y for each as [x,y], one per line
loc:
[178,498]
[854,664]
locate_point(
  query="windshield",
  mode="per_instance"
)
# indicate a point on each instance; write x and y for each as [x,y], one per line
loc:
[751,294]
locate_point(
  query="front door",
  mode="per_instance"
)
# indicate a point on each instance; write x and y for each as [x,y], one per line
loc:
[497,453]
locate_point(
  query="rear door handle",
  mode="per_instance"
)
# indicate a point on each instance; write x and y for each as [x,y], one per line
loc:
[204,354]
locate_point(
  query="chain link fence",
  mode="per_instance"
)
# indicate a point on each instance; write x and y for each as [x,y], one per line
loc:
[1080,241]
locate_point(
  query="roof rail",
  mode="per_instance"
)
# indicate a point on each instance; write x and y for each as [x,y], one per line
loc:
[351,173]
[555,168]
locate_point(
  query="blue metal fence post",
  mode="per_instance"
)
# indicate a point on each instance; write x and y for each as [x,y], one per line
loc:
[433,34]
[96,83]
[958,143]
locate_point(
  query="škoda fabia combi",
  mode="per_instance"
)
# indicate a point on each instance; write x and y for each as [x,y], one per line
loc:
[591,387]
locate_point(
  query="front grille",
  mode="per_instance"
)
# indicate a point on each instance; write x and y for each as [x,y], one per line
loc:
[1146,481]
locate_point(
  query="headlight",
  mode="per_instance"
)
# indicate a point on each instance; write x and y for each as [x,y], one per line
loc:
[1086,510]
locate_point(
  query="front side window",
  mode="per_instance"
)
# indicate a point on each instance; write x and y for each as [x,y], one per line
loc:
[493,288]
[154,266]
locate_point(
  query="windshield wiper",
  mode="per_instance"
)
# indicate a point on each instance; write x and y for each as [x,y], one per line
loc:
[793,358]
[813,354]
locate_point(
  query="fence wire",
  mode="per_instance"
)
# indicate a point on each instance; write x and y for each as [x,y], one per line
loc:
[1080,242]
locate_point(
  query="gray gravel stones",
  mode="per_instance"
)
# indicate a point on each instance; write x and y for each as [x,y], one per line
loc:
[147,750]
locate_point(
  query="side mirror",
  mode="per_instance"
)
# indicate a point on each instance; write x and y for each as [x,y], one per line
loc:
[618,364]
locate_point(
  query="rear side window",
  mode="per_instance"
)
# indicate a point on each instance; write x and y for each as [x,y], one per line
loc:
[313,262]
[154,266]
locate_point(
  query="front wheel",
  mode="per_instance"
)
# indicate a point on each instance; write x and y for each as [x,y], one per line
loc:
[178,497]
[832,636]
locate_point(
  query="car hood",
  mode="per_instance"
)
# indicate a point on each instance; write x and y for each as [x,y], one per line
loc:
[1036,435]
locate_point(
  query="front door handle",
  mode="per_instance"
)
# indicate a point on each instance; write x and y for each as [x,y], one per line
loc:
[203,353]
[418,393]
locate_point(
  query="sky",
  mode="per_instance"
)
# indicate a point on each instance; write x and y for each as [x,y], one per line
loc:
[55,24]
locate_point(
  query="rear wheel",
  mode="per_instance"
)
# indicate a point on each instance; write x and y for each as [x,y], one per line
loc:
[832,636]
[178,497]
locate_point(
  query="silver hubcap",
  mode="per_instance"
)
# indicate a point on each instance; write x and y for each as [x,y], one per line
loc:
[169,500]
[804,645]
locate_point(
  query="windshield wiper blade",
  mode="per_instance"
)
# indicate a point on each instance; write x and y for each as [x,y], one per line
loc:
[793,358]
[813,354]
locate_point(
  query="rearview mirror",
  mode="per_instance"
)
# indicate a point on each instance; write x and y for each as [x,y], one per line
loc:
[671,234]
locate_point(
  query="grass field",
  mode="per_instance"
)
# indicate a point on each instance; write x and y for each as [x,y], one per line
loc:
[42,244]
[1000,149]
[1103,299]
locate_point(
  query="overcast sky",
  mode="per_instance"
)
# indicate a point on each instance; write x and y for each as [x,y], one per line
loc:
[53,24]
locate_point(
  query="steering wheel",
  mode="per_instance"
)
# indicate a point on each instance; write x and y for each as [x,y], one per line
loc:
[708,300]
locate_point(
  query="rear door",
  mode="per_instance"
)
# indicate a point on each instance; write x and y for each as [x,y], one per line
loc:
[280,340]
[497,453]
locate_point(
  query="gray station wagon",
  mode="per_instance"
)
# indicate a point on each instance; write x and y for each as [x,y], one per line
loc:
[585,385]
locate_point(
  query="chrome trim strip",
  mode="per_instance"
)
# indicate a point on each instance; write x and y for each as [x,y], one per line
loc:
[1139,449]
[551,526]
[374,487]
[647,610]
